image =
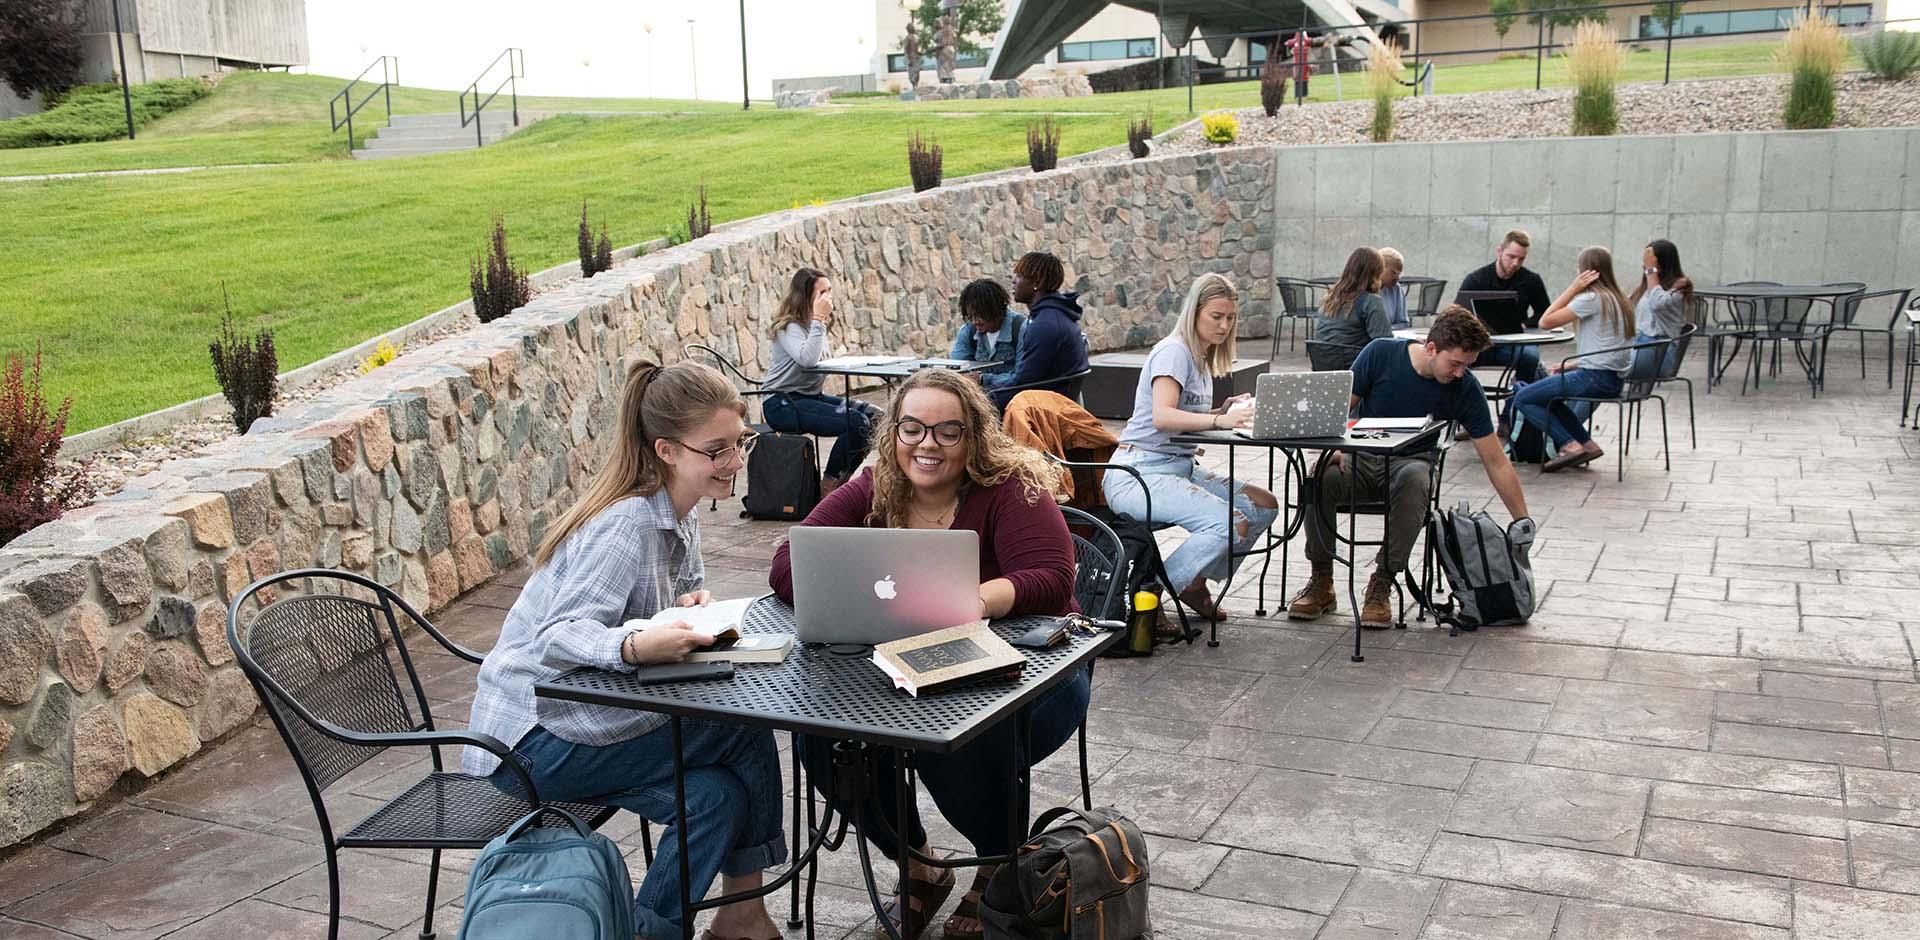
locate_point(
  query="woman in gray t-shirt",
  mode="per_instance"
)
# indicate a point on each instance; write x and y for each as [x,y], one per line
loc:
[1175,395]
[1353,315]
[1603,351]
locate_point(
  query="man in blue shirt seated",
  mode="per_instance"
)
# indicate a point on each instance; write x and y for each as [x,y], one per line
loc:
[992,331]
[1052,346]
[1403,379]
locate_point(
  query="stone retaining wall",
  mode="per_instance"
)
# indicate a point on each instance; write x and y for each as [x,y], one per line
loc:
[445,467]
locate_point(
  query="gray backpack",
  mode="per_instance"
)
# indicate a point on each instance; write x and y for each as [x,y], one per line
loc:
[1486,567]
[562,883]
[1083,879]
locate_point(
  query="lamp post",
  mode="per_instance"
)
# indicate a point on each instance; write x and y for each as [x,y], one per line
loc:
[912,43]
[746,103]
[126,90]
[693,60]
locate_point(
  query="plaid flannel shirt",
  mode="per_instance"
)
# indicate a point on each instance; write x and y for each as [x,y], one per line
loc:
[630,561]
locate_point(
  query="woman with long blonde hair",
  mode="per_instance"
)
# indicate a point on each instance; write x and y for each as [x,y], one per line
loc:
[1175,394]
[951,466]
[1602,354]
[629,548]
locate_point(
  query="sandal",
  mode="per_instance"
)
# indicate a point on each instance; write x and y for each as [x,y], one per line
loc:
[923,900]
[1200,601]
[969,907]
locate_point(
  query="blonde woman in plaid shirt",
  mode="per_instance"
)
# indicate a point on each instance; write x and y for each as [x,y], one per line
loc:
[629,548]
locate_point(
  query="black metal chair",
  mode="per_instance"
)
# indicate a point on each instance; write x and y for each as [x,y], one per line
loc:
[1331,357]
[1156,566]
[1670,372]
[1728,318]
[1638,385]
[1074,383]
[340,685]
[1846,319]
[1099,558]
[1425,296]
[1297,302]
[1422,589]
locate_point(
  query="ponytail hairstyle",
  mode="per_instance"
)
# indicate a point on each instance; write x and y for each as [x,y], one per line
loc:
[797,306]
[658,402]
[1614,309]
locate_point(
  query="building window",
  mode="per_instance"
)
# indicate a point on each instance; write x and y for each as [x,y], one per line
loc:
[1101,50]
[897,62]
[1746,21]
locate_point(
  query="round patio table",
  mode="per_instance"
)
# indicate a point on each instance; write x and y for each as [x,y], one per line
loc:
[1528,338]
[1750,306]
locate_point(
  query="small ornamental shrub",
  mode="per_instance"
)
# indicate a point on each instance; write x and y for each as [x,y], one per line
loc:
[699,223]
[1139,133]
[33,489]
[1893,55]
[1383,82]
[247,369]
[383,353]
[96,112]
[1813,54]
[1219,127]
[1594,60]
[603,250]
[923,162]
[1043,144]
[589,257]
[499,288]
[1273,83]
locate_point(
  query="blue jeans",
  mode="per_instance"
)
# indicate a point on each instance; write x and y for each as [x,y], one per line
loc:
[970,784]
[1195,500]
[1563,424]
[1523,357]
[848,422]
[733,802]
[1667,364]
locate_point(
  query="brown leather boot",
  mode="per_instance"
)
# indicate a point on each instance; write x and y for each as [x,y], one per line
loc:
[1316,598]
[1376,608]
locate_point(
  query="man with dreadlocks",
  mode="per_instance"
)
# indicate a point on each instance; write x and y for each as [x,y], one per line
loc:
[1052,346]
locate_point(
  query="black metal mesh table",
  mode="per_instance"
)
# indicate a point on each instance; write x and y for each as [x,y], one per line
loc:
[816,691]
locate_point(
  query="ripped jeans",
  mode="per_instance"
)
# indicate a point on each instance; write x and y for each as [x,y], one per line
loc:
[1194,499]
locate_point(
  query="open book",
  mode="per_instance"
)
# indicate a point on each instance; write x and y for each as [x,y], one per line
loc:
[720,619]
[956,656]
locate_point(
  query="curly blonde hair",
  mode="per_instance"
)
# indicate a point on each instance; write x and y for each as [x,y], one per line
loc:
[993,457]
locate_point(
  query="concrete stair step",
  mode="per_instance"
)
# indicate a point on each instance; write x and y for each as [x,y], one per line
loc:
[395,152]
[389,140]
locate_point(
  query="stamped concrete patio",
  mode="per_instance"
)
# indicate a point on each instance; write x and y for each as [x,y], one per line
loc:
[1711,729]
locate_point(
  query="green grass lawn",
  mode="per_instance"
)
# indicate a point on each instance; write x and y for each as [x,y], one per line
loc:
[118,279]
[269,117]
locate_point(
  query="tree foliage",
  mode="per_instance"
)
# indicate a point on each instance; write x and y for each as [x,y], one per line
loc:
[1505,12]
[1562,13]
[1667,14]
[40,46]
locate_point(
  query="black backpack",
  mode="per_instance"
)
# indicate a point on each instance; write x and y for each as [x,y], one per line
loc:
[1526,442]
[1083,879]
[783,478]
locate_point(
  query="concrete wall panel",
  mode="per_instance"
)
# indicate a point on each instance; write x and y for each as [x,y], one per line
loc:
[1458,244]
[1461,172]
[1792,247]
[1869,169]
[1342,183]
[1523,177]
[1700,178]
[1860,246]
[1402,180]
[1585,170]
[1743,172]
[1644,183]
[1796,171]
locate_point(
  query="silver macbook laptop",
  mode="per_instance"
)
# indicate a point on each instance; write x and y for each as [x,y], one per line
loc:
[872,586]
[1300,404]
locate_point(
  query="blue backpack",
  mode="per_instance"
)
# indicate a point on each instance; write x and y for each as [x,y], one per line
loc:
[566,883]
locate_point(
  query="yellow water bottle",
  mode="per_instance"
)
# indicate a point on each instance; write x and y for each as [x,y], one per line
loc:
[1146,613]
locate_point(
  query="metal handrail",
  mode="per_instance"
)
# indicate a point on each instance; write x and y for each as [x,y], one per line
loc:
[389,77]
[516,59]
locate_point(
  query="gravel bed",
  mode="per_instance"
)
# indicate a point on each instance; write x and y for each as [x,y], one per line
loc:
[1710,105]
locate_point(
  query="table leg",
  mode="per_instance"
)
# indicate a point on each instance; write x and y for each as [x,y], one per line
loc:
[1020,788]
[1353,552]
[680,830]
[903,800]
[799,783]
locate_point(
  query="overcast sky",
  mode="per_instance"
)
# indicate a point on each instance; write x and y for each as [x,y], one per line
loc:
[580,47]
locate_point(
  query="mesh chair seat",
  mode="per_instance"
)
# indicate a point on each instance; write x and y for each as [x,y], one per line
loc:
[453,811]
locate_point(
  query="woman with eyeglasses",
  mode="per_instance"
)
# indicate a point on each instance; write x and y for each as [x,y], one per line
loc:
[1175,394]
[953,467]
[629,548]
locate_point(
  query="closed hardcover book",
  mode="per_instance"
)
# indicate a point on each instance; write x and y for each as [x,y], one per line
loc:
[960,655]
[750,648]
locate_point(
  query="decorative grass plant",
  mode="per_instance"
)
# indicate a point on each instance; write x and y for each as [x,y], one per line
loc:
[1812,55]
[1594,60]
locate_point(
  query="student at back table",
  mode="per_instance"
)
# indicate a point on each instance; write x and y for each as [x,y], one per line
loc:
[1509,272]
[992,330]
[1403,379]
[1052,345]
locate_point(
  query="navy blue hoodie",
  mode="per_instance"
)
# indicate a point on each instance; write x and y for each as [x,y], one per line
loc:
[1051,346]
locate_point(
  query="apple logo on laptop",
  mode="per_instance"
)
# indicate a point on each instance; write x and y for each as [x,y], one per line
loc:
[883,588]
[1303,406]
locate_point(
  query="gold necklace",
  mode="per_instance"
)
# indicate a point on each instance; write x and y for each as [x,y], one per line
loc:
[943,520]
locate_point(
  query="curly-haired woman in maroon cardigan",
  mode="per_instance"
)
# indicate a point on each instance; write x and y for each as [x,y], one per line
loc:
[951,466]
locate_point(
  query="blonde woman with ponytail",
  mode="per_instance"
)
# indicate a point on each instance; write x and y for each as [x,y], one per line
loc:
[629,548]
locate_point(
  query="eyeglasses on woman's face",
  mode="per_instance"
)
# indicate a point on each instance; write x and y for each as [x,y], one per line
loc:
[946,434]
[725,454]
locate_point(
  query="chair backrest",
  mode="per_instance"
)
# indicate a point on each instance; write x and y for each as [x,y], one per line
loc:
[1677,352]
[1297,296]
[1647,368]
[1847,311]
[335,657]
[1331,357]
[721,362]
[1425,295]
[1099,563]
